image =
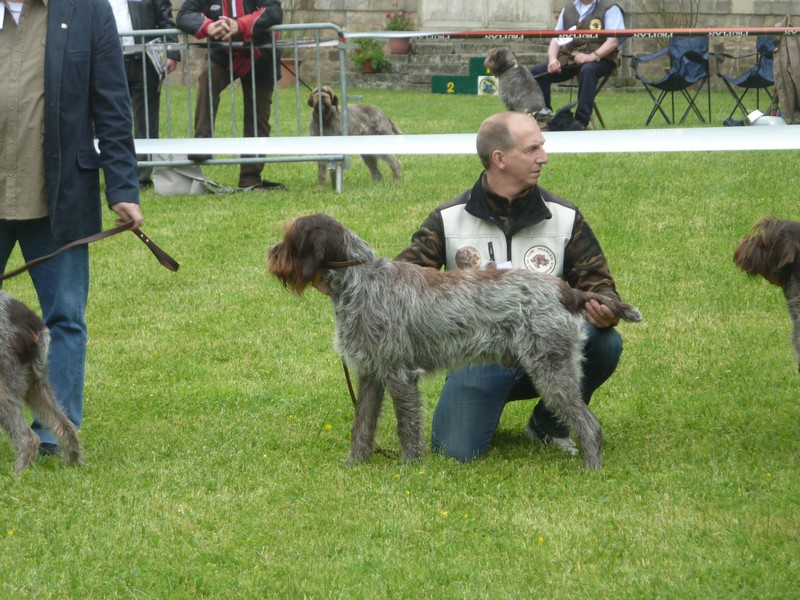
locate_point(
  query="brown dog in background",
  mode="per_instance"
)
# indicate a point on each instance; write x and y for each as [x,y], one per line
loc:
[772,250]
[24,342]
[363,119]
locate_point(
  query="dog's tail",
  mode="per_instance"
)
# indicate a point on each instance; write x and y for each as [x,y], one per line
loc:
[395,128]
[575,300]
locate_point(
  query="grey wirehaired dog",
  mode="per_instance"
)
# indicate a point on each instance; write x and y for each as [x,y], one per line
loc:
[24,341]
[363,119]
[395,320]
[772,250]
[518,89]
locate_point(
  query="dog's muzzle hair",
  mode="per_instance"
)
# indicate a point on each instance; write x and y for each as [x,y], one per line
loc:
[24,343]
[772,250]
[395,320]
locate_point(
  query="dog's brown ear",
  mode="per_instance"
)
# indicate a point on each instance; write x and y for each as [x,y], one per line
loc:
[313,97]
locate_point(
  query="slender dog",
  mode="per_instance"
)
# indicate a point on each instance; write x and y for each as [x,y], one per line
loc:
[395,320]
[518,89]
[363,119]
[772,250]
[24,341]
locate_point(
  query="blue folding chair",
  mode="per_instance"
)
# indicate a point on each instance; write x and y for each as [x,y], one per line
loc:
[688,66]
[759,77]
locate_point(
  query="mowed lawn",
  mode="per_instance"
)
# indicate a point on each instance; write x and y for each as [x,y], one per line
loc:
[217,416]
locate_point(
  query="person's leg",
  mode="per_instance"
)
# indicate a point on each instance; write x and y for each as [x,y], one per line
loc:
[588,77]
[62,286]
[601,355]
[250,174]
[470,406]
[546,80]
[207,103]
[145,99]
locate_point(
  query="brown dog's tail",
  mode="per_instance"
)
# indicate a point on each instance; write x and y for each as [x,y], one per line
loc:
[575,300]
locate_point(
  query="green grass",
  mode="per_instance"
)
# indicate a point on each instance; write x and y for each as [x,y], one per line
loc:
[217,416]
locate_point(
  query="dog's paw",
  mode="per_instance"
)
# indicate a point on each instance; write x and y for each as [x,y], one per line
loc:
[356,458]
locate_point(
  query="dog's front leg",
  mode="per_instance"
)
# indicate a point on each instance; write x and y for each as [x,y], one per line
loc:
[322,172]
[368,409]
[408,409]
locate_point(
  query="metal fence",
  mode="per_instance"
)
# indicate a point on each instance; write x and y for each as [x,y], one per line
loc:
[151,46]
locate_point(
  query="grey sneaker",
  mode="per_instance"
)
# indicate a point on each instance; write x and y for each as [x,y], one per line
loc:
[565,444]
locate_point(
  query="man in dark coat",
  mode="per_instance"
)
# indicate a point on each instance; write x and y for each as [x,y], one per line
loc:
[53,102]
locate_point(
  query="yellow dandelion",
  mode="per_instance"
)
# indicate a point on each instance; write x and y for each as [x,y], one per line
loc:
[408,492]
[445,513]
[466,515]
[541,539]
[328,426]
[10,532]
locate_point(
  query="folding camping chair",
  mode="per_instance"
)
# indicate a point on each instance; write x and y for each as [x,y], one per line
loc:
[759,77]
[688,66]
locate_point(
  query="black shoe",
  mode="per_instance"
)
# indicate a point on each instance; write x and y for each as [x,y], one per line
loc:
[47,449]
[272,186]
[144,185]
[199,157]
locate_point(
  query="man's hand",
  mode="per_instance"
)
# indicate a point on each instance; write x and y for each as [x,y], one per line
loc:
[224,28]
[128,211]
[554,66]
[600,315]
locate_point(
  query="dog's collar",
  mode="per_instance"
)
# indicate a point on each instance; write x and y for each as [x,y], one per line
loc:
[337,264]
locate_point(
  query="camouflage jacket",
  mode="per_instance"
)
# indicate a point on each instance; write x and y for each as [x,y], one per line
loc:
[585,265]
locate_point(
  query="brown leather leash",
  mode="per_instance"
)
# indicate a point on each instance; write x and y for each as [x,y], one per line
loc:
[165,259]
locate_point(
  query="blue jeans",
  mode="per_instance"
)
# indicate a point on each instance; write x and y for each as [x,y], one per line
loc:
[473,398]
[62,286]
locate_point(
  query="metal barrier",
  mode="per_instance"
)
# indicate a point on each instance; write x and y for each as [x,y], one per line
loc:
[153,45]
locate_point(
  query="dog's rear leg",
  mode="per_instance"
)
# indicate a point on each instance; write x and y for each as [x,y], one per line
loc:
[559,386]
[25,442]
[408,410]
[394,165]
[44,406]
[372,164]
[368,409]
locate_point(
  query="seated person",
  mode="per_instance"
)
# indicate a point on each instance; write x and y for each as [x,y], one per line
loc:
[589,60]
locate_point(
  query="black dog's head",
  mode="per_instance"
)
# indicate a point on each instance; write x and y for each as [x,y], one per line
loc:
[564,120]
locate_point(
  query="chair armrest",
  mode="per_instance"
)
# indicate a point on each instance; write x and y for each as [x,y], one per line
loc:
[635,60]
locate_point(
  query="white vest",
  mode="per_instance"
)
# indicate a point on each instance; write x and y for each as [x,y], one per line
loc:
[470,242]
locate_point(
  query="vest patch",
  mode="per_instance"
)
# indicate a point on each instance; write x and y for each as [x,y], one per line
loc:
[540,259]
[468,257]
